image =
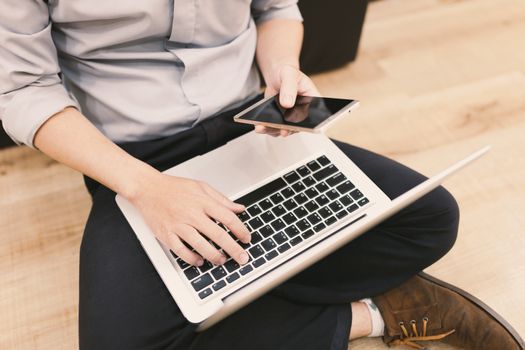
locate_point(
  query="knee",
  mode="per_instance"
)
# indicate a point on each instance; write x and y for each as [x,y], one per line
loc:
[442,212]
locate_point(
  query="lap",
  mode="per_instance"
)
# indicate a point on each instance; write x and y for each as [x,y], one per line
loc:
[124,303]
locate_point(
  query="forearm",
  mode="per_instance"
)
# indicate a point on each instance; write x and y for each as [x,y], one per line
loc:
[279,43]
[71,139]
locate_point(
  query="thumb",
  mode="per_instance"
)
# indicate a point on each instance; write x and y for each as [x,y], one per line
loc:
[288,90]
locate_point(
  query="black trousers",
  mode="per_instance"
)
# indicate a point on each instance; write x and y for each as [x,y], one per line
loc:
[125,305]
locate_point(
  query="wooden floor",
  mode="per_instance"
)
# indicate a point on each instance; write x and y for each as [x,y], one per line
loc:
[437,79]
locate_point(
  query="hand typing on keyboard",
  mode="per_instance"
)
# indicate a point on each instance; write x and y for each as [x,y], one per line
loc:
[187,215]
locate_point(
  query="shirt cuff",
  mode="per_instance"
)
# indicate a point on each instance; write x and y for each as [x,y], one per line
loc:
[31,107]
[288,12]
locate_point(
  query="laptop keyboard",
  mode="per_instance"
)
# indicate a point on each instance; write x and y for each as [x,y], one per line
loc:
[281,214]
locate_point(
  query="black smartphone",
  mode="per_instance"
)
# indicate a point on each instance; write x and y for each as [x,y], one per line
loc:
[310,113]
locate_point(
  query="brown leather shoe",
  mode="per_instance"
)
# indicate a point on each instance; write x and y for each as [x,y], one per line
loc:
[427,309]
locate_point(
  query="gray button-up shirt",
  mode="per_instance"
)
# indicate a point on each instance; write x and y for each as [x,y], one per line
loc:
[137,69]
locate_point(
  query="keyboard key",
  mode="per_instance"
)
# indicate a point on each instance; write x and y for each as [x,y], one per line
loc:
[311,206]
[265,204]
[334,180]
[300,198]
[335,206]
[290,204]
[363,201]
[278,224]
[256,251]
[218,272]
[262,192]
[346,200]
[319,227]
[231,265]
[205,293]
[311,192]
[218,285]
[284,248]
[280,238]
[352,208]
[244,216]
[314,218]
[321,187]
[245,269]
[269,256]
[307,234]
[201,282]
[205,267]
[277,198]
[322,200]
[356,194]
[183,264]
[341,214]
[268,244]
[325,212]
[191,272]
[323,160]
[330,220]
[255,223]
[325,172]
[303,171]
[244,245]
[303,224]
[313,165]
[267,216]
[254,210]
[287,192]
[300,212]
[291,231]
[234,276]
[258,262]
[298,187]
[309,181]
[266,231]
[332,194]
[296,241]
[345,187]
[279,210]
[256,238]
[291,177]
[289,218]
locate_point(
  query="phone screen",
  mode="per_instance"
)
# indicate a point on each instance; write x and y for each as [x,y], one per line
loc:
[308,111]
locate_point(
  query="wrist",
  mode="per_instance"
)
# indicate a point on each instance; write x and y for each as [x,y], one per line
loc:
[137,181]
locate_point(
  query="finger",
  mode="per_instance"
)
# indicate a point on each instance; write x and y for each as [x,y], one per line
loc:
[288,90]
[231,221]
[211,230]
[222,199]
[179,249]
[200,244]
[284,133]
[261,129]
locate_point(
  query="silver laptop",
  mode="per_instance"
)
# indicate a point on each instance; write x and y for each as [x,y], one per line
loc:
[304,199]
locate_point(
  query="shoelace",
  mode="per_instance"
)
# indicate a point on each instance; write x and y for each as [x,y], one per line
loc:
[410,339]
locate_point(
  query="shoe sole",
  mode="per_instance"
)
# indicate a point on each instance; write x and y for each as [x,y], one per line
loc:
[480,304]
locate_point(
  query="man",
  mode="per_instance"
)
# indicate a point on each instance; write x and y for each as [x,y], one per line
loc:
[122,89]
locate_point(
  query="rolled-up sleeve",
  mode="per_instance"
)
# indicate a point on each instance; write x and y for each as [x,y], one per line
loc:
[263,10]
[31,90]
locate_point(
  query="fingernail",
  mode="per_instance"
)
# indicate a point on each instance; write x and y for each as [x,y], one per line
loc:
[200,262]
[244,258]
[222,260]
